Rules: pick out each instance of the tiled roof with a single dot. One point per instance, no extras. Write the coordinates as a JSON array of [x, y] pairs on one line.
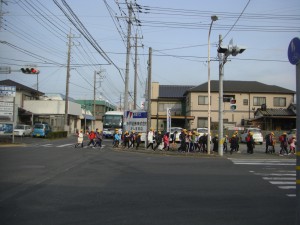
[[19, 86], [173, 91], [242, 87], [275, 112]]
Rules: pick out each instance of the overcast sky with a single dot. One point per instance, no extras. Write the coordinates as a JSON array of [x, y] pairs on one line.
[[34, 32]]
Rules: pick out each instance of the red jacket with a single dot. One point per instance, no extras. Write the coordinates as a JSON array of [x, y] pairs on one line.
[[92, 135]]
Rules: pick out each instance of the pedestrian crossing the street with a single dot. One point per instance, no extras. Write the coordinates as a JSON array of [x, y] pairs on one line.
[[276, 172]]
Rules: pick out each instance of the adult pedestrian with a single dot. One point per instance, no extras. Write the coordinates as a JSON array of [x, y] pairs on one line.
[[270, 142], [79, 139], [150, 138]]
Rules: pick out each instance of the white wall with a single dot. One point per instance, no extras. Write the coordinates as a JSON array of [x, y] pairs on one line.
[[51, 107]]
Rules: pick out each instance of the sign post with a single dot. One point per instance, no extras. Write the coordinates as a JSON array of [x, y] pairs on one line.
[[168, 120], [7, 110], [294, 58]]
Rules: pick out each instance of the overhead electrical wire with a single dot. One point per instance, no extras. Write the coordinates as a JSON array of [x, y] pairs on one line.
[[79, 26]]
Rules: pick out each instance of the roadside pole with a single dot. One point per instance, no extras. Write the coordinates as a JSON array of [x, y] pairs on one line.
[[297, 146], [294, 58]]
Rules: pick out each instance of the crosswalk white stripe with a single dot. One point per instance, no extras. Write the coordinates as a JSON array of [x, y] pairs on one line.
[[47, 145], [291, 195], [283, 179], [282, 182], [278, 178], [264, 163], [287, 187], [60, 146], [276, 174]]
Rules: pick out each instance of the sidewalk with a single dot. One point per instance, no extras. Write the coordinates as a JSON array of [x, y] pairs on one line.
[[259, 153]]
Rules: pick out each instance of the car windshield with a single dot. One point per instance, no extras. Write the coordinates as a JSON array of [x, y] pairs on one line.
[[202, 130], [39, 126], [19, 127], [178, 129], [255, 131]]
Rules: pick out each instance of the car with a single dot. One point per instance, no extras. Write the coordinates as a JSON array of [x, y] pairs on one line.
[[291, 133], [107, 133], [257, 135], [202, 131], [172, 131], [41, 130], [22, 130]]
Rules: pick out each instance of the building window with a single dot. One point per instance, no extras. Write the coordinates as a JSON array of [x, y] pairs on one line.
[[175, 107], [258, 101], [203, 100], [202, 122], [245, 101], [279, 102]]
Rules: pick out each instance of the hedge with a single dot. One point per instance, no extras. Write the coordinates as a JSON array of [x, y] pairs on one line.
[[57, 134]]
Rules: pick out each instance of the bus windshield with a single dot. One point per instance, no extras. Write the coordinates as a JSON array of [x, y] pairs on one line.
[[112, 121]]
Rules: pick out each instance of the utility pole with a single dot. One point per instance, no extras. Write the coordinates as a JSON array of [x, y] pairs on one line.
[[67, 81], [135, 73], [94, 103], [70, 36], [94, 106], [149, 91], [127, 57], [221, 75], [1, 13]]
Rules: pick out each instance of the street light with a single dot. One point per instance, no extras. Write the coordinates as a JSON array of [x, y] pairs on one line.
[[213, 18], [226, 51]]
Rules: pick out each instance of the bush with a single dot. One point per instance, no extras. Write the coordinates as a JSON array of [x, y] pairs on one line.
[[57, 134]]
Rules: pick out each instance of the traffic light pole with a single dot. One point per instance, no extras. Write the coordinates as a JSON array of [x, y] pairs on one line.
[[222, 61]]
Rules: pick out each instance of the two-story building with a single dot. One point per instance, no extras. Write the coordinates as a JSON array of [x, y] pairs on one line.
[[189, 105]]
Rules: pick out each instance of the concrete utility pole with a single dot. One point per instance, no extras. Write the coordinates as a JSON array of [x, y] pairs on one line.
[[70, 36], [127, 57], [94, 103], [67, 81], [1, 13], [221, 75], [149, 91], [135, 73], [213, 18]]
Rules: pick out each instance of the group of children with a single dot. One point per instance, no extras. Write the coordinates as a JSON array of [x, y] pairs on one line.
[[189, 141], [95, 138]]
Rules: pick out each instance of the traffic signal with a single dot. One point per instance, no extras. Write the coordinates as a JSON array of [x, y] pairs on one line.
[[232, 104], [30, 70]]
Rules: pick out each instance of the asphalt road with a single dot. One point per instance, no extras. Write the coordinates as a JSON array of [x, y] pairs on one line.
[[51, 182]]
